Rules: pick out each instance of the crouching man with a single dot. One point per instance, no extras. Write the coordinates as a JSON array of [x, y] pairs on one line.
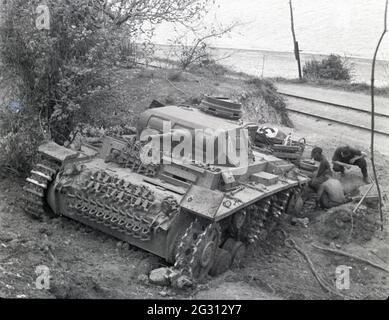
[[346, 156]]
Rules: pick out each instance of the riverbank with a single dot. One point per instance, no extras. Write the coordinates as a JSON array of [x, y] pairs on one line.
[[274, 64]]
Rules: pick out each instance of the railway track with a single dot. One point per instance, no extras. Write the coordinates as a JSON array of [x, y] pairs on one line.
[[326, 108]]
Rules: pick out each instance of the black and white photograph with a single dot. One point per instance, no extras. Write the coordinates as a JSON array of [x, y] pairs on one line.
[[202, 151]]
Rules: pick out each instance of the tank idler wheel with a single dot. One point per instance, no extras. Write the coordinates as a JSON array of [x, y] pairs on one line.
[[223, 260], [237, 249]]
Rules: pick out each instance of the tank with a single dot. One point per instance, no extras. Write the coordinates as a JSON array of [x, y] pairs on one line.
[[198, 212]]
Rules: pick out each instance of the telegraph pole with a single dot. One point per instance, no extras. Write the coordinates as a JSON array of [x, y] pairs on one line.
[[295, 42]]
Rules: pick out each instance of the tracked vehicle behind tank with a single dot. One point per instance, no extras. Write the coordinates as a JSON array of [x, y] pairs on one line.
[[198, 215]]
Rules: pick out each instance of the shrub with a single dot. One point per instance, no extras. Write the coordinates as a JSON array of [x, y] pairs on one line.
[[58, 74], [332, 68], [20, 135]]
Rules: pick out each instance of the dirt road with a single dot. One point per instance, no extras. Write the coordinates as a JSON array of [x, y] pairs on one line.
[[358, 100]]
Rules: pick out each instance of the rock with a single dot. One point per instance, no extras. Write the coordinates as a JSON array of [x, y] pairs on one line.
[[332, 234], [30, 244], [160, 276], [8, 236], [44, 230], [143, 278], [301, 222], [163, 294], [55, 221], [14, 243], [183, 282]]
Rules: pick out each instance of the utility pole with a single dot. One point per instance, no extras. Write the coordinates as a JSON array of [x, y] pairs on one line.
[[295, 42], [372, 88]]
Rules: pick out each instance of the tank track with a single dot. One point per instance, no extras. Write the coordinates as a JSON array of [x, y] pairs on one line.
[[265, 216], [261, 219], [36, 186], [191, 248]]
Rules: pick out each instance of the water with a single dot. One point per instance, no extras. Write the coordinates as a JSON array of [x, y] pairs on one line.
[[349, 28], [283, 64]]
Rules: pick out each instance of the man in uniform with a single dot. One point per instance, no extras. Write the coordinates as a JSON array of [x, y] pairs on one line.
[[346, 156]]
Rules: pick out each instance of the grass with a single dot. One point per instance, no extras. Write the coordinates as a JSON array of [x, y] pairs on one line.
[[358, 87]]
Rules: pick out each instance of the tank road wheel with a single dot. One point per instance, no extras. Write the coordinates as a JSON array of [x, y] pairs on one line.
[[223, 261], [237, 249], [204, 251], [36, 187]]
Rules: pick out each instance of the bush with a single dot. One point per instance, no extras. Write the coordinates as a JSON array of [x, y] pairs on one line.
[[58, 74], [331, 68], [209, 68], [19, 137]]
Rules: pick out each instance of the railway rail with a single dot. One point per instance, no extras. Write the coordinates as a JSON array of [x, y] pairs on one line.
[[326, 117]]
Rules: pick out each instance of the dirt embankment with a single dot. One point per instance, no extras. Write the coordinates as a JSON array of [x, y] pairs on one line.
[[134, 90]]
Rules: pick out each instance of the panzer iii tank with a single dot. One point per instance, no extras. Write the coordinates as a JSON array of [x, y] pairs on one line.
[[197, 212]]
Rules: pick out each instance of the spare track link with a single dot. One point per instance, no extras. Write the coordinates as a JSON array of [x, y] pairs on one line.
[[37, 184]]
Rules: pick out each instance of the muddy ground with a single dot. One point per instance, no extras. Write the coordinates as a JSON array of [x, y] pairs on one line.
[[84, 263]]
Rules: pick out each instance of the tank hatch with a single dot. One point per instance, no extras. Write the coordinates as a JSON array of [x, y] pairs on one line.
[[222, 107]]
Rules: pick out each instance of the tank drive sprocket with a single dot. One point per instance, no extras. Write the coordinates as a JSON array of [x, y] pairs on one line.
[[196, 250]]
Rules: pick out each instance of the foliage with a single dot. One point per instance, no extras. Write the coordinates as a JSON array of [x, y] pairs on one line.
[[62, 75], [334, 67], [140, 14], [58, 71], [193, 48]]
